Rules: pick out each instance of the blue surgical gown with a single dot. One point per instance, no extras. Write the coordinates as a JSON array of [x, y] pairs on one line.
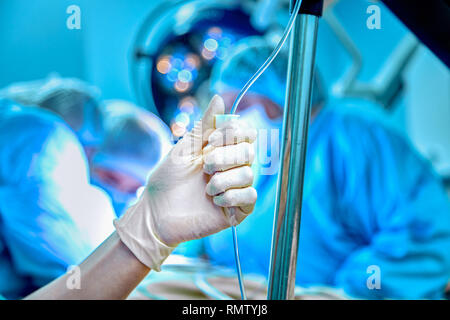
[[50, 216], [369, 200]]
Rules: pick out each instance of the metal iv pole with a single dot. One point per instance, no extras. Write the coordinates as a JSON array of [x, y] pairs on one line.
[[283, 261]]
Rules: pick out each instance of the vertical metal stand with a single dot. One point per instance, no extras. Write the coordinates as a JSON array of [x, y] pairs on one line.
[[293, 153]]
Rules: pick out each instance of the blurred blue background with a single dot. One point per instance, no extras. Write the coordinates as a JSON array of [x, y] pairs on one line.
[[35, 42], [162, 55]]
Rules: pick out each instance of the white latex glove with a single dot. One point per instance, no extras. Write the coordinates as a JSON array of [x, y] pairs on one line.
[[182, 201]]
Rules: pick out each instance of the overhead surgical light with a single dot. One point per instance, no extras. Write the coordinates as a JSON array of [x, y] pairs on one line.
[[175, 50]]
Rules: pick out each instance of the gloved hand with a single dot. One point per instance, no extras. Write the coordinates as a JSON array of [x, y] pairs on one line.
[[181, 201]]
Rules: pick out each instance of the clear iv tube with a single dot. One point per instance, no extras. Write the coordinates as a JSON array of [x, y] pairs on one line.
[[270, 59], [238, 264], [239, 97]]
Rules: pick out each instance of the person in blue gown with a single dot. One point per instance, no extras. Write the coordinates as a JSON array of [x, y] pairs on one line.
[[47, 204], [375, 217]]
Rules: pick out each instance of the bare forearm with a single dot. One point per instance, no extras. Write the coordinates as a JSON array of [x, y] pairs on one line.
[[110, 272]]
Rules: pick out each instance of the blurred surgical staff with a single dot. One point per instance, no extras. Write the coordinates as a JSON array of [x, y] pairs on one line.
[[135, 141], [50, 215], [75, 101], [371, 203]]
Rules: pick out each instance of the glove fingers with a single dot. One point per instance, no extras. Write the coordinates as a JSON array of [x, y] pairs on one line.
[[237, 203], [236, 215], [215, 107], [233, 132], [246, 210], [235, 178], [192, 143], [227, 157], [244, 197]]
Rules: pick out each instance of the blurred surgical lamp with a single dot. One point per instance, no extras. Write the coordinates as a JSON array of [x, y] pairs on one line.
[[175, 50]]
